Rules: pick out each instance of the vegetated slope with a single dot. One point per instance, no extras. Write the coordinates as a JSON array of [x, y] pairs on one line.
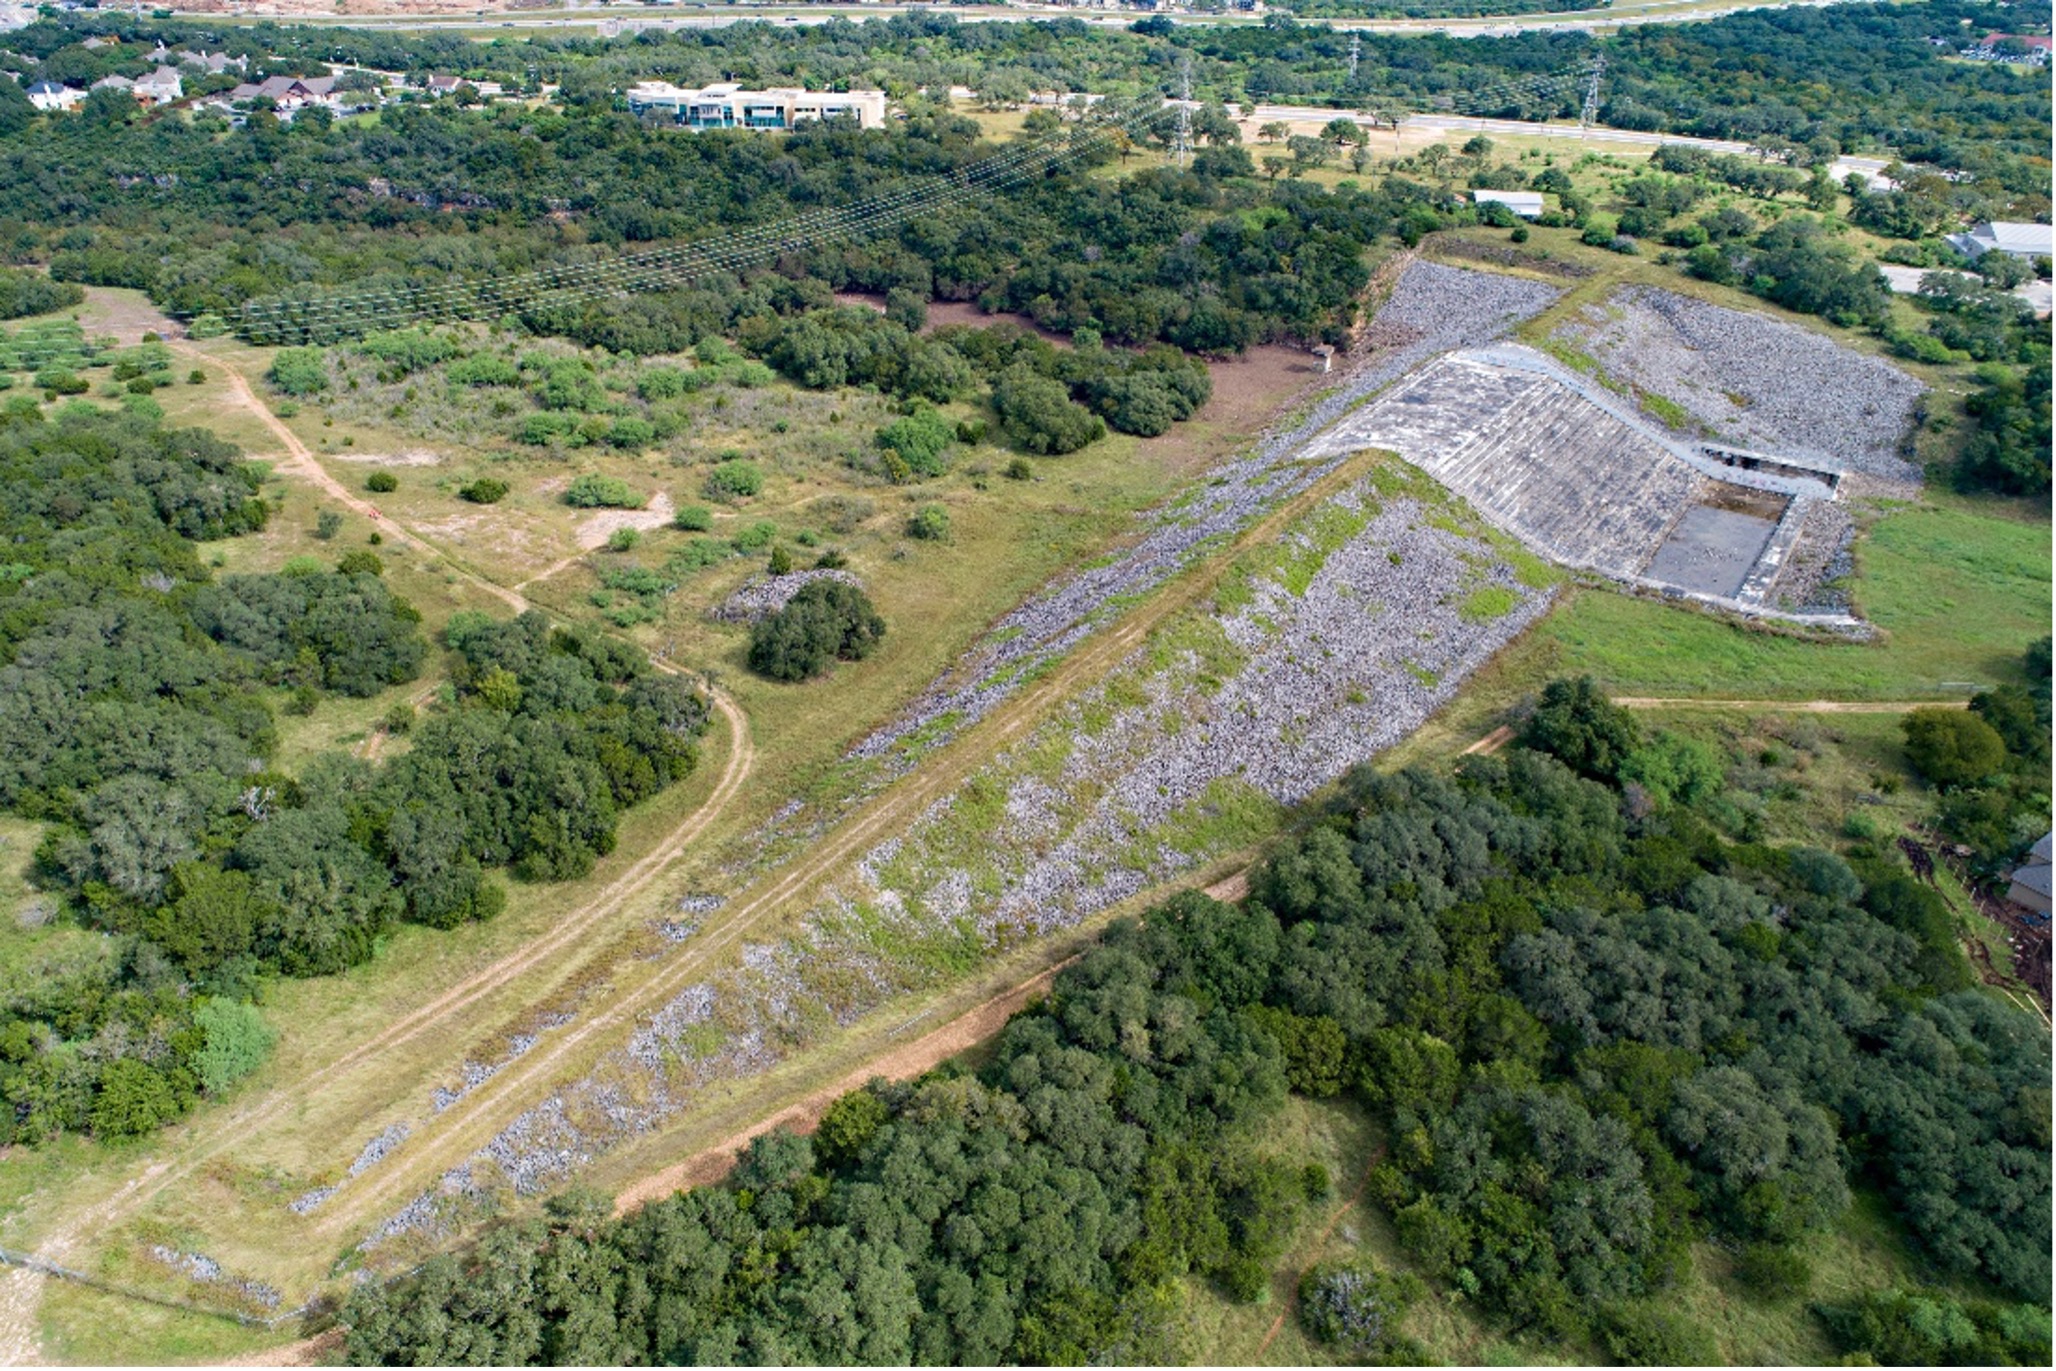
[[1596, 1032], [138, 723]]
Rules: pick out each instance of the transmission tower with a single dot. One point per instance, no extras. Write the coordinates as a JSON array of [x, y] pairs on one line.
[[1589, 115], [1356, 47], [1184, 109]]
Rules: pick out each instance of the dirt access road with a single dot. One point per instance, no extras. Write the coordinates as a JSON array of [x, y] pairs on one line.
[[454, 1135], [20, 1290]]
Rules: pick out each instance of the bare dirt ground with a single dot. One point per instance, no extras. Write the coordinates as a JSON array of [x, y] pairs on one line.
[[901, 1064], [595, 529], [408, 457], [1491, 742], [124, 316]]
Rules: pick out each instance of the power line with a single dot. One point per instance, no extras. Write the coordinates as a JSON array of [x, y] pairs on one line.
[[287, 320]]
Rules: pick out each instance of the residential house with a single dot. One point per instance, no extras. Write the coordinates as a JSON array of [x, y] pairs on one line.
[[120, 83], [288, 92], [2030, 886], [1527, 204], [160, 87], [213, 63], [439, 85], [48, 96], [2015, 240], [729, 106]]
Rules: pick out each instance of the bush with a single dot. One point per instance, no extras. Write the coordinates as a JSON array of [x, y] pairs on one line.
[[360, 562], [930, 523], [235, 1042], [1355, 1307], [920, 439], [381, 483], [594, 491], [735, 479], [327, 524], [299, 371], [624, 540], [693, 519], [824, 621], [486, 490], [632, 433], [483, 369], [1952, 747], [23, 293], [1020, 469]]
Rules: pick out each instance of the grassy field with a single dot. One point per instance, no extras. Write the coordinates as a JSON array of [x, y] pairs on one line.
[[1957, 595]]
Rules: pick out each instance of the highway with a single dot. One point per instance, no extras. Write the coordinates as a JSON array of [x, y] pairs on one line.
[[622, 19]]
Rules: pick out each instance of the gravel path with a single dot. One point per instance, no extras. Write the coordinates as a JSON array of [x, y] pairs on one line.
[[1757, 381]]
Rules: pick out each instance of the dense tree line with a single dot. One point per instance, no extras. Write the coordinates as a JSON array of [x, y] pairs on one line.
[[138, 726], [1596, 1032], [24, 293]]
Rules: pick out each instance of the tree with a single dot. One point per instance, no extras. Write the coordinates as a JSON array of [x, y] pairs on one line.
[[1040, 415], [1575, 723], [133, 1099], [1952, 747], [824, 621], [1274, 131], [930, 523]]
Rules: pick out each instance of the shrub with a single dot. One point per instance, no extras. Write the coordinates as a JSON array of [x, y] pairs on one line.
[[1583, 729], [1020, 469], [1952, 747], [693, 519], [235, 1041], [930, 523], [1355, 1307], [407, 350], [624, 540], [360, 562], [483, 369], [920, 439], [381, 482], [594, 491], [824, 621], [327, 524], [781, 560], [632, 433], [751, 537], [662, 383], [62, 383], [486, 490], [735, 479], [299, 371]]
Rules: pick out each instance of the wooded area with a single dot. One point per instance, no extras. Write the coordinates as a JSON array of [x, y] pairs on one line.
[[139, 725], [1595, 1033]]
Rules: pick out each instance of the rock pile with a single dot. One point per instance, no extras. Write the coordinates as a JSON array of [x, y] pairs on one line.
[[764, 595], [1432, 309], [1756, 381]]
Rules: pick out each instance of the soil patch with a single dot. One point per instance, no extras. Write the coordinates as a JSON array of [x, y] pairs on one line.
[[412, 457], [901, 1064], [595, 529]]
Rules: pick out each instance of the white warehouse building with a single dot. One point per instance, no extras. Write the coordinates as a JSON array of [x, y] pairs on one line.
[[729, 106]]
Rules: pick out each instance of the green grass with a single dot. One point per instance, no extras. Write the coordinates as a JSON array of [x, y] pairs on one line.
[[1486, 603], [1666, 411], [1957, 592]]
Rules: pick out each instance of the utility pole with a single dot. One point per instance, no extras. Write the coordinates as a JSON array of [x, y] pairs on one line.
[[1589, 116], [1356, 47], [1184, 109]]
